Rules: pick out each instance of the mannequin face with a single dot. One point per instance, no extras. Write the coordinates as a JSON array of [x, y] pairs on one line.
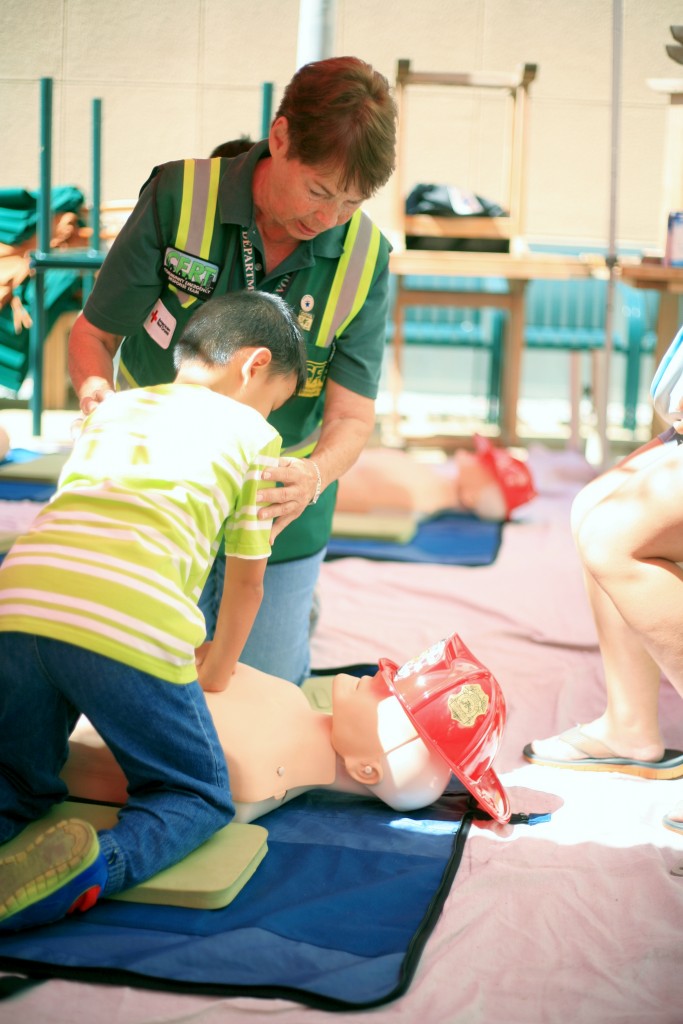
[[380, 746], [368, 720], [478, 489]]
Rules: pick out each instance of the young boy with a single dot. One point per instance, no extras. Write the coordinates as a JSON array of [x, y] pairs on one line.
[[98, 609]]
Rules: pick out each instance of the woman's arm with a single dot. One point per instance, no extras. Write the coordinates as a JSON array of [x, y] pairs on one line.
[[91, 362]]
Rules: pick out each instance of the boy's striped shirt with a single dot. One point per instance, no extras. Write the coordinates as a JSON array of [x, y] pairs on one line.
[[117, 560]]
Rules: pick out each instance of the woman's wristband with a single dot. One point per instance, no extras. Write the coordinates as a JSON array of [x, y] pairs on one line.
[[318, 483]]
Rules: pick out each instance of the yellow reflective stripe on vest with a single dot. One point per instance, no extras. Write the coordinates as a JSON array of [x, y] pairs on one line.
[[124, 379], [197, 211], [352, 280], [185, 204], [304, 447]]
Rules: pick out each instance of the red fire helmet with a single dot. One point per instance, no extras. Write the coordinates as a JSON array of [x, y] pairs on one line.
[[458, 709], [512, 475]]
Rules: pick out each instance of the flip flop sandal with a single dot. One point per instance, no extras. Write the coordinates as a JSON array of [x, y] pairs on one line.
[[672, 824], [599, 758]]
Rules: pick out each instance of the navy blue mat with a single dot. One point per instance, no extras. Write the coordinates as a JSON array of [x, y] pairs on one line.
[[336, 915], [450, 538], [26, 490], [14, 489]]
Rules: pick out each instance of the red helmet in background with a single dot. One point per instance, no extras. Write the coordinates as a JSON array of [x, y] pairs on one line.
[[512, 475], [458, 709]]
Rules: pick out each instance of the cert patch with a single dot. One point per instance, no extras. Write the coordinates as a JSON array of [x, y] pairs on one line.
[[160, 325], [189, 273]]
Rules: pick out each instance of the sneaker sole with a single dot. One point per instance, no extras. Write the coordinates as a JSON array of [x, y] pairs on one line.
[[51, 862]]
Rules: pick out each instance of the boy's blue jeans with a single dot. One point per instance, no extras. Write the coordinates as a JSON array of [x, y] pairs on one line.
[[279, 642], [161, 733]]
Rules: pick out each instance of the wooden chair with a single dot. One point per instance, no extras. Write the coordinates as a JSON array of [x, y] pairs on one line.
[[464, 290], [515, 89]]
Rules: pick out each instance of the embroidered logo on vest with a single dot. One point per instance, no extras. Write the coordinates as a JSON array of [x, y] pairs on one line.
[[317, 372], [189, 273]]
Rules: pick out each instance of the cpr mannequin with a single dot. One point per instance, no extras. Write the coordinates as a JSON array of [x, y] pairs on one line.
[[396, 736], [277, 746], [488, 482]]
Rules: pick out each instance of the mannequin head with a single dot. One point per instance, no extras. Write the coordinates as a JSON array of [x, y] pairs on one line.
[[492, 482], [478, 489], [380, 748]]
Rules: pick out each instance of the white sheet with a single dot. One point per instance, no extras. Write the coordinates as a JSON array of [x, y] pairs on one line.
[[578, 920]]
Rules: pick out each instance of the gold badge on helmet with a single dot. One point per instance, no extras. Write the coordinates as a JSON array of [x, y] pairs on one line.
[[468, 704]]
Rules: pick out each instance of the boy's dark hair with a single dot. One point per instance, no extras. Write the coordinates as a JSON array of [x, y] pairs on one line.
[[233, 147], [341, 115], [244, 319]]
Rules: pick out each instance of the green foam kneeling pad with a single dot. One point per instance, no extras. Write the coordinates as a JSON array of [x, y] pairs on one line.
[[42, 469], [399, 527], [208, 878]]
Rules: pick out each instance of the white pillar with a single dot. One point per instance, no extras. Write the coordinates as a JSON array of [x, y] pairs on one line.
[[316, 31]]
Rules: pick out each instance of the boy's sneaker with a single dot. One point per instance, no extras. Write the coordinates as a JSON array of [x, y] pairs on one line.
[[59, 872]]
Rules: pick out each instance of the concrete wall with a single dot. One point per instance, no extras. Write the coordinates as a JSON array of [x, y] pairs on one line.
[[175, 79]]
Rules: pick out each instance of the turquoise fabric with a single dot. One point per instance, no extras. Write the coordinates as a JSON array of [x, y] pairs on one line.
[[62, 293], [18, 223], [19, 210]]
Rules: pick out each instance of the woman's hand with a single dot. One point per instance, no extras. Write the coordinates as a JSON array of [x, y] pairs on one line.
[[298, 479], [94, 392]]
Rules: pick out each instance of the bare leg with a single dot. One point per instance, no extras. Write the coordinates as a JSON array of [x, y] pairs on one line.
[[631, 544], [629, 725], [627, 526]]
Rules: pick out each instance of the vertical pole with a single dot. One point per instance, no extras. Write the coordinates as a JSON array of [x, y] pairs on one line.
[[44, 194], [266, 108], [603, 393], [37, 332], [96, 172], [89, 277]]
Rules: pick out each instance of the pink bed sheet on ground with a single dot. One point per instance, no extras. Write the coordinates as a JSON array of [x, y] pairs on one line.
[[576, 920]]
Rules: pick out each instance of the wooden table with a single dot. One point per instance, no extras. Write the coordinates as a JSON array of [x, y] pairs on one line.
[[668, 281], [517, 270]]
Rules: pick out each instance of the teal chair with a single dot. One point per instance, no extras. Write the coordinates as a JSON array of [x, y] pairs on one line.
[[452, 326], [640, 308], [570, 316]]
